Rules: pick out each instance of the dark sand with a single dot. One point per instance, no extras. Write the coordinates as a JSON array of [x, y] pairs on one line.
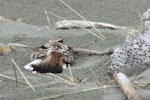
[[118, 12]]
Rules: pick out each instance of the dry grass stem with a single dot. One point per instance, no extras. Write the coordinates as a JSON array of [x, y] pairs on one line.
[[8, 77], [74, 92], [102, 36], [62, 79], [22, 74], [84, 90], [96, 71], [56, 15], [15, 74], [94, 75], [47, 18], [72, 79]]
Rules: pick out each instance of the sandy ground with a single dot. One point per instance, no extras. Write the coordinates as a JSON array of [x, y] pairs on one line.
[[118, 12]]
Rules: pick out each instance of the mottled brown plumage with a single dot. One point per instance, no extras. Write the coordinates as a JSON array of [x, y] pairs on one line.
[[50, 63]]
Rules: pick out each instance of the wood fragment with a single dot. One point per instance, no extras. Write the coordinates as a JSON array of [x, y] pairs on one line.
[[101, 53], [79, 24], [126, 86]]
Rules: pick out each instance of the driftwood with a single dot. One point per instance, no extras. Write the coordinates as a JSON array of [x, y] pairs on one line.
[[101, 53], [126, 86], [79, 24]]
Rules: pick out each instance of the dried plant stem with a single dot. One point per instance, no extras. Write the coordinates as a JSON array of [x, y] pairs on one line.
[[84, 90], [72, 78], [22, 74], [8, 77], [126, 86], [106, 52], [56, 15], [102, 36], [94, 75], [74, 92], [60, 78], [96, 71], [15, 74], [47, 18]]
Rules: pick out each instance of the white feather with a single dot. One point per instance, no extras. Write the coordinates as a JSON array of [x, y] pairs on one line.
[[29, 66], [64, 66]]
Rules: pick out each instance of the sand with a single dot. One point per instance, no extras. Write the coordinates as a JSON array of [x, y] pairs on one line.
[[33, 31]]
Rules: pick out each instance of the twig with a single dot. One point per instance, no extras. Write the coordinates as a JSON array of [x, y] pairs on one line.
[[106, 52], [126, 86], [79, 24], [8, 77], [22, 74]]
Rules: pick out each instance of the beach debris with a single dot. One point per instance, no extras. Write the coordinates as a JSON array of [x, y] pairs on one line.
[[101, 53], [80, 24], [4, 49], [126, 86], [99, 35], [134, 53], [15, 64], [3, 19], [11, 78]]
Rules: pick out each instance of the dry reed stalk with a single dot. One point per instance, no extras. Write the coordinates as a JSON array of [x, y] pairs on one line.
[[23, 74], [8, 77], [126, 86]]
